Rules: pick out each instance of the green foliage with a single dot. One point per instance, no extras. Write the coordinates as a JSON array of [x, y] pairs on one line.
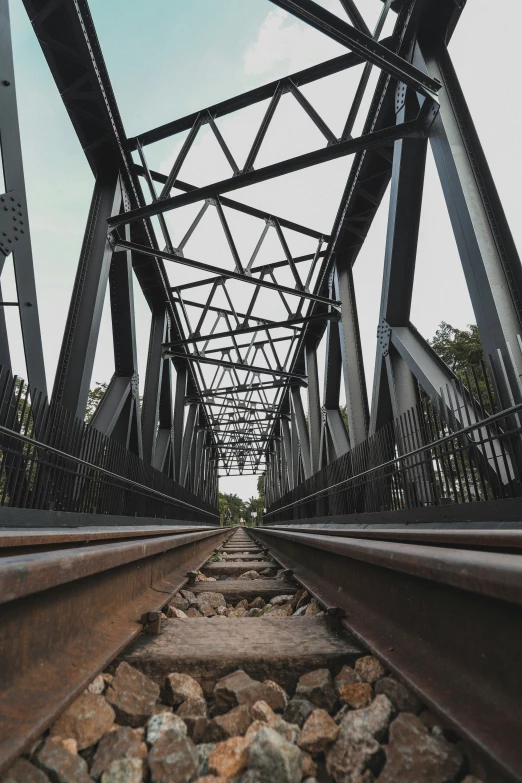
[[459, 348], [94, 398], [232, 508], [462, 350]]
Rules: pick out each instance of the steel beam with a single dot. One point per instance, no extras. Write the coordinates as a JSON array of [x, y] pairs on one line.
[[261, 327], [153, 381], [352, 362], [314, 407], [236, 365], [409, 160], [122, 243], [489, 258], [361, 43], [76, 361], [15, 236], [302, 430], [339, 150]]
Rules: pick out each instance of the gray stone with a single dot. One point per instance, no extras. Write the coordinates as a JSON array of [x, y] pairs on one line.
[[347, 676], [180, 687], [369, 669], [189, 596], [289, 731], [300, 612], [413, 755], [250, 776], [194, 713], [173, 759], [180, 603], [248, 575], [238, 688], [86, 720], [124, 771], [204, 749], [211, 599], [97, 686], [22, 771], [279, 600], [317, 687], [165, 721], [132, 695], [61, 765], [298, 710], [177, 614], [275, 759], [318, 732], [356, 746], [400, 696], [232, 724], [118, 744]]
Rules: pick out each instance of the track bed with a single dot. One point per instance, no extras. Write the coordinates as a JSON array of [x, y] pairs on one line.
[[246, 677]]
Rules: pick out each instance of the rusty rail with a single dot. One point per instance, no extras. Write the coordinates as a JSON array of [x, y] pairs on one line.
[[69, 602], [443, 609]]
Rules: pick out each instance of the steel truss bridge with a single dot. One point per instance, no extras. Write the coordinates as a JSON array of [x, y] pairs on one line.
[[225, 382]]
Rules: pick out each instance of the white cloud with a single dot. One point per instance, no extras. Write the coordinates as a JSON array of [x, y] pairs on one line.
[[284, 40]]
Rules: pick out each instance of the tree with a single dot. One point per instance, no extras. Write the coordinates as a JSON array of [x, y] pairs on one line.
[[459, 348], [94, 398], [261, 485]]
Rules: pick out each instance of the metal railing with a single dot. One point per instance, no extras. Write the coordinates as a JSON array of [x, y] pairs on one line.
[[458, 448], [50, 459]]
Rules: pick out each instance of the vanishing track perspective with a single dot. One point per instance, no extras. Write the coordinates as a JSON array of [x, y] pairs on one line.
[[269, 657]]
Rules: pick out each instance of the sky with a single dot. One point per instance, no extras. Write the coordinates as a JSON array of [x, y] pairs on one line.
[[167, 58]]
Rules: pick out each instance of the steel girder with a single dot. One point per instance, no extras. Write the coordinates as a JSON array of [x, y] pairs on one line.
[[15, 237], [257, 360]]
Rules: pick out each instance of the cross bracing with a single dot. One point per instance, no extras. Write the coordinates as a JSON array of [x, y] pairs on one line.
[[233, 347]]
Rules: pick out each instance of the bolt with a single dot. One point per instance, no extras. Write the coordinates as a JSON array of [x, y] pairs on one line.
[[5, 83]]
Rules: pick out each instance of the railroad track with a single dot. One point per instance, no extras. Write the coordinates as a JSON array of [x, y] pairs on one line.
[[439, 611]]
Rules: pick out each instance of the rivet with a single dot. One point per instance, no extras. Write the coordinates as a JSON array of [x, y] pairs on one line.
[[5, 83]]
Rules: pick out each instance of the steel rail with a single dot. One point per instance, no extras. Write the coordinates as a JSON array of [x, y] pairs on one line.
[[446, 620], [84, 463], [67, 613], [434, 444]]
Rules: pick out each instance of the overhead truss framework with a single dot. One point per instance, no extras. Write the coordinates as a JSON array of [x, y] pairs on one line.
[[226, 375]]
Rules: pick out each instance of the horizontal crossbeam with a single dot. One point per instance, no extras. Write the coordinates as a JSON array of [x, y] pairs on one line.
[[289, 324], [156, 176], [362, 44], [122, 243], [306, 76], [234, 365], [323, 155]]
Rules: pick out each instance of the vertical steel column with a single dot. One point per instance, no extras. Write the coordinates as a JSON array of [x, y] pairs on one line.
[[314, 407], [287, 445], [153, 380], [302, 432], [179, 416], [198, 463], [409, 161], [74, 371], [489, 257], [124, 336], [352, 363], [15, 236], [188, 435], [334, 436]]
